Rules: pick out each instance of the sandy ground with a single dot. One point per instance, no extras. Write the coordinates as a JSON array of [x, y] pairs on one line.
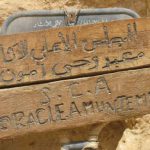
[[136, 136]]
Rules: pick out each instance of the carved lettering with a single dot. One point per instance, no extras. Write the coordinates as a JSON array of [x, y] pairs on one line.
[[45, 115], [141, 99], [7, 75], [88, 106], [18, 117], [65, 41], [102, 86], [31, 119], [75, 91], [56, 47], [59, 112], [74, 109], [4, 123], [39, 111], [45, 91]]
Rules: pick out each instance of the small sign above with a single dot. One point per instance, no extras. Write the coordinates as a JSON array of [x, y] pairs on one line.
[[29, 21]]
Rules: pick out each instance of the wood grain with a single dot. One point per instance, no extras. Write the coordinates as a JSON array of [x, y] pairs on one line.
[[71, 52], [74, 103], [73, 77]]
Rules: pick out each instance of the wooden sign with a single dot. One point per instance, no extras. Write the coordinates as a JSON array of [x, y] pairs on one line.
[[74, 103], [74, 76], [28, 21], [71, 52]]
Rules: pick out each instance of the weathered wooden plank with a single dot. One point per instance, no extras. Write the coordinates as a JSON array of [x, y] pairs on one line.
[[74, 102], [74, 51]]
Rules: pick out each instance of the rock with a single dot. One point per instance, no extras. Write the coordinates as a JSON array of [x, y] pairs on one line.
[[137, 138]]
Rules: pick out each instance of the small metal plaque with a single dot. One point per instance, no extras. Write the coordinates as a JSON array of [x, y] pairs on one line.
[[37, 20], [74, 146]]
